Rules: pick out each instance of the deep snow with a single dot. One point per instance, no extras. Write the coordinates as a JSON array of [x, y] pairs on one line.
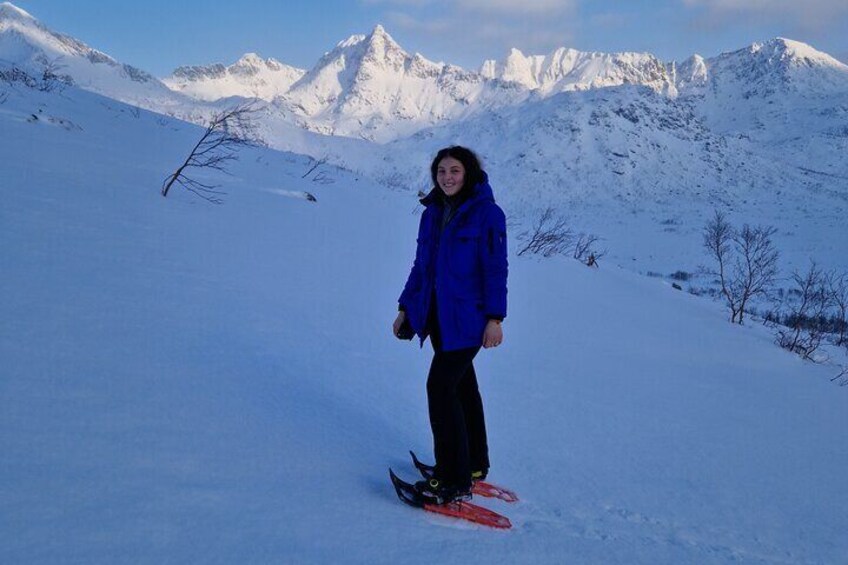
[[192, 383]]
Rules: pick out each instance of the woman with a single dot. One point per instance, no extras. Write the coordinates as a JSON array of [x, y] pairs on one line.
[[456, 295]]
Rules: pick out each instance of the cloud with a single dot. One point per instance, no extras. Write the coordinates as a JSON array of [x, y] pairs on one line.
[[810, 16], [535, 7], [483, 7], [481, 29]]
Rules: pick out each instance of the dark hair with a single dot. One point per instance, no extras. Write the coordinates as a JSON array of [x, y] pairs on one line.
[[470, 162]]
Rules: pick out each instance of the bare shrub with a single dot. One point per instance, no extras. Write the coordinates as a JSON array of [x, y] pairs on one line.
[[746, 261], [550, 235], [51, 79], [807, 320], [228, 132], [585, 249]]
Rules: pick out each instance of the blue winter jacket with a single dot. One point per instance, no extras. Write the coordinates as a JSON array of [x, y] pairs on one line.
[[466, 262]]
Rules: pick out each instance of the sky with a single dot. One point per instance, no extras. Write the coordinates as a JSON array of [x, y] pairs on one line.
[[160, 35]]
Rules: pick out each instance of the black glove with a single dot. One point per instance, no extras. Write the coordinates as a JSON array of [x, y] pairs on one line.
[[405, 331]]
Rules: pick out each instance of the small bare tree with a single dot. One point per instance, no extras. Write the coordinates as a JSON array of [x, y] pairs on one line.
[[228, 132], [550, 235], [756, 266], [718, 235], [806, 322], [51, 78], [584, 249], [746, 261]]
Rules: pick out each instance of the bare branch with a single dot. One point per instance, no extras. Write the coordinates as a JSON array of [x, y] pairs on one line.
[[315, 165], [746, 261], [807, 320], [718, 233], [584, 249], [226, 134], [550, 235]]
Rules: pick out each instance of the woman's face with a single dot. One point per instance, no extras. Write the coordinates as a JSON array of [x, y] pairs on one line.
[[450, 175]]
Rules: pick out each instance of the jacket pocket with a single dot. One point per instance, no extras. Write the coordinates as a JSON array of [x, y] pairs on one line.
[[464, 248], [470, 319]]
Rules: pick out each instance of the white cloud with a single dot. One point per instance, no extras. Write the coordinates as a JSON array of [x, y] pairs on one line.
[[809, 15], [478, 29], [486, 8], [415, 3], [488, 37], [537, 7]]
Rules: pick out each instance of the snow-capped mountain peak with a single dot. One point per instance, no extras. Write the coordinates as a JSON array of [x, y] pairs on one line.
[[28, 44], [383, 51], [251, 60], [568, 69], [794, 52], [376, 48], [10, 12], [369, 86], [775, 67], [691, 72], [250, 76], [24, 41]]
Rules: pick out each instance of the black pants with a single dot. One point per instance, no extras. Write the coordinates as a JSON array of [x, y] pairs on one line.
[[456, 411]]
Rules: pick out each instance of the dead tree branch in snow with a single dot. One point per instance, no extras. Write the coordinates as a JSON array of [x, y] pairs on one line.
[[315, 165], [228, 132], [549, 236], [584, 249]]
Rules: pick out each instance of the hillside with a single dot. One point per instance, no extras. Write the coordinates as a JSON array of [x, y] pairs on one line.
[[218, 384], [631, 148]]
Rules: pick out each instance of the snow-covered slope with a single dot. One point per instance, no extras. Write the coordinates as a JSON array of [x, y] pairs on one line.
[[30, 45], [185, 382], [249, 77]]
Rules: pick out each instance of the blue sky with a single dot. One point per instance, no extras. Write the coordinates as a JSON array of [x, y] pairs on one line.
[[158, 35]]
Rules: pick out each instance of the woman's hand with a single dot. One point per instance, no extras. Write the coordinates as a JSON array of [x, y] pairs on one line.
[[493, 334], [401, 318]]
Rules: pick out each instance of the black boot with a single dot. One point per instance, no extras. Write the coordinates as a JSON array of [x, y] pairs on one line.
[[436, 491]]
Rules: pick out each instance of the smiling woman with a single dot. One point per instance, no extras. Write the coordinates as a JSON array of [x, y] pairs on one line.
[[456, 295]]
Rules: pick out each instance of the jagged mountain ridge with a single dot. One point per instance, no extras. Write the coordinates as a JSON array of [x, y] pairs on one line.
[[250, 76], [368, 86], [773, 91], [569, 69], [774, 67]]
